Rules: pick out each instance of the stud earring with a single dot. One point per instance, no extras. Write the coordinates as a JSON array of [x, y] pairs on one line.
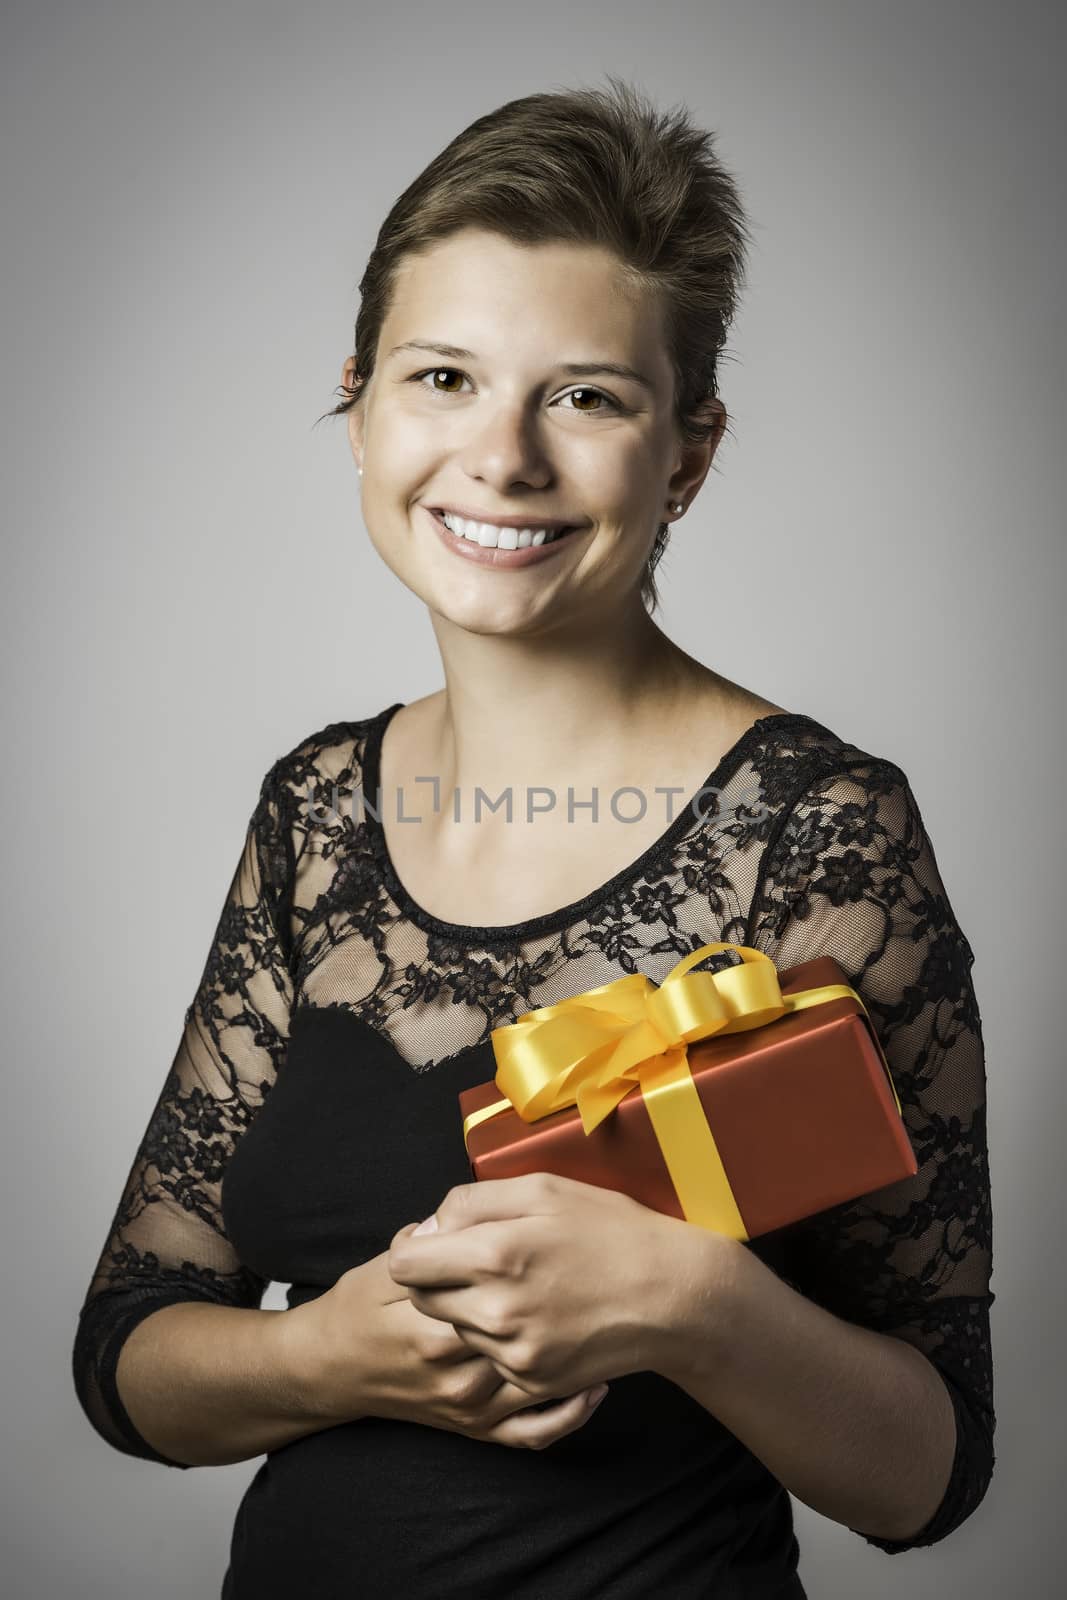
[[360, 471], [678, 508]]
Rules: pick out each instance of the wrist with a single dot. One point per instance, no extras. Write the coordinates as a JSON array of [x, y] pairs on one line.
[[298, 1361], [700, 1272]]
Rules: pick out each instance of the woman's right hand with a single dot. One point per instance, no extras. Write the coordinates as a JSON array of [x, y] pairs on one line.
[[365, 1350]]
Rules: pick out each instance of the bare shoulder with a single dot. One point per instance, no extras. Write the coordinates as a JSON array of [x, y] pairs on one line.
[[410, 725], [753, 707], [733, 707]]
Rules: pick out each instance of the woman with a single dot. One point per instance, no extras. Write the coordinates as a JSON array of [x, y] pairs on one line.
[[532, 404]]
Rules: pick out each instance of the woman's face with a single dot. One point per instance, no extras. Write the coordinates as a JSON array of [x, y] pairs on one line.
[[515, 421]]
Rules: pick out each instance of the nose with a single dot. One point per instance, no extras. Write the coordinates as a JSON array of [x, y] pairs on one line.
[[506, 449]]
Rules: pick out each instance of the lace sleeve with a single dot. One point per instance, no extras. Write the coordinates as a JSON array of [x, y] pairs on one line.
[[853, 875], [166, 1242]]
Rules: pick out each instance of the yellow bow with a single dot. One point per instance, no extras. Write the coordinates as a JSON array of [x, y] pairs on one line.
[[595, 1048]]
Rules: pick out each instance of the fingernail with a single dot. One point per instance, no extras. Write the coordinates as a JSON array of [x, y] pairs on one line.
[[428, 1226], [595, 1396]]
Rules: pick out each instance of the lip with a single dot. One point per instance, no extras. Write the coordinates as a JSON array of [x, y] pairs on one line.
[[488, 556]]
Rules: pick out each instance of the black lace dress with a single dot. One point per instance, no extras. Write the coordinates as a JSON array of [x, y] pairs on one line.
[[311, 1111]]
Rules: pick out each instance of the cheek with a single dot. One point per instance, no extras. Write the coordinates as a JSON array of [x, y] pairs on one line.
[[388, 546], [385, 528], [405, 435]]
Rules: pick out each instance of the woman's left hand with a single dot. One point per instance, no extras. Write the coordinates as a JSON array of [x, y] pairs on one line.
[[560, 1284]]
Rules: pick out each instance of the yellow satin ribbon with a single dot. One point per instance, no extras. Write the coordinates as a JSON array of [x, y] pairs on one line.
[[595, 1048]]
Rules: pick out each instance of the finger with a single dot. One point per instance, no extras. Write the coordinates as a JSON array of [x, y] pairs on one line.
[[440, 1342], [398, 1239], [496, 1200], [495, 1348], [536, 1429], [457, 1308], [448, 1260], [475, 1342], [403, 1233], [494, 1354]]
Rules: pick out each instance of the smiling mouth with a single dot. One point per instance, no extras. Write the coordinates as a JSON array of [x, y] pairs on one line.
[[514, 538]]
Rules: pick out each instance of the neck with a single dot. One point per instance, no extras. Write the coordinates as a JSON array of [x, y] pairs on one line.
[[559, 711]]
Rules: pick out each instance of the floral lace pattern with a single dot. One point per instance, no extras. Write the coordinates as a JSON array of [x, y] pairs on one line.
[[808, 846]]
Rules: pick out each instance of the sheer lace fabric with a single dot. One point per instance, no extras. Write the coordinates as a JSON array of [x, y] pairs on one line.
[[801, 845]]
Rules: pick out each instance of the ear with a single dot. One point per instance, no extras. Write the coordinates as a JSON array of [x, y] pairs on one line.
[[355, 414], [694, 460]]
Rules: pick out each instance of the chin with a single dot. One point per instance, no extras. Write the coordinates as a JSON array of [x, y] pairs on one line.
[[482, 618]]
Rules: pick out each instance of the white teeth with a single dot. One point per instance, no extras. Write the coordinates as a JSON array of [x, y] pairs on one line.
[[490, 536]]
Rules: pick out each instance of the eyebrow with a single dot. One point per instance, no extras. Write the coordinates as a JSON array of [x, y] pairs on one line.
[[608, 369]]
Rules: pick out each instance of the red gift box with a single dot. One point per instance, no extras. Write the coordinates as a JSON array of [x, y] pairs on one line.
[[791, 1114]]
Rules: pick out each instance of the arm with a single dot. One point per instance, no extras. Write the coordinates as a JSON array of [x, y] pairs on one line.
[[862, 1376], [855, 1423], [209, 1385], [167, 1245]]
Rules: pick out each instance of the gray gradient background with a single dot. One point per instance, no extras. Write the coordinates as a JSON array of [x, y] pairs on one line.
[[190, 193]]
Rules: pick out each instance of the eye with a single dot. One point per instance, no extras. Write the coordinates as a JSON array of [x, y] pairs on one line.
[[435, 372], [589, 394], [592, 394]]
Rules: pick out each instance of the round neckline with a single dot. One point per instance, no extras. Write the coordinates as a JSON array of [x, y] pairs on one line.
[[549, 921]]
